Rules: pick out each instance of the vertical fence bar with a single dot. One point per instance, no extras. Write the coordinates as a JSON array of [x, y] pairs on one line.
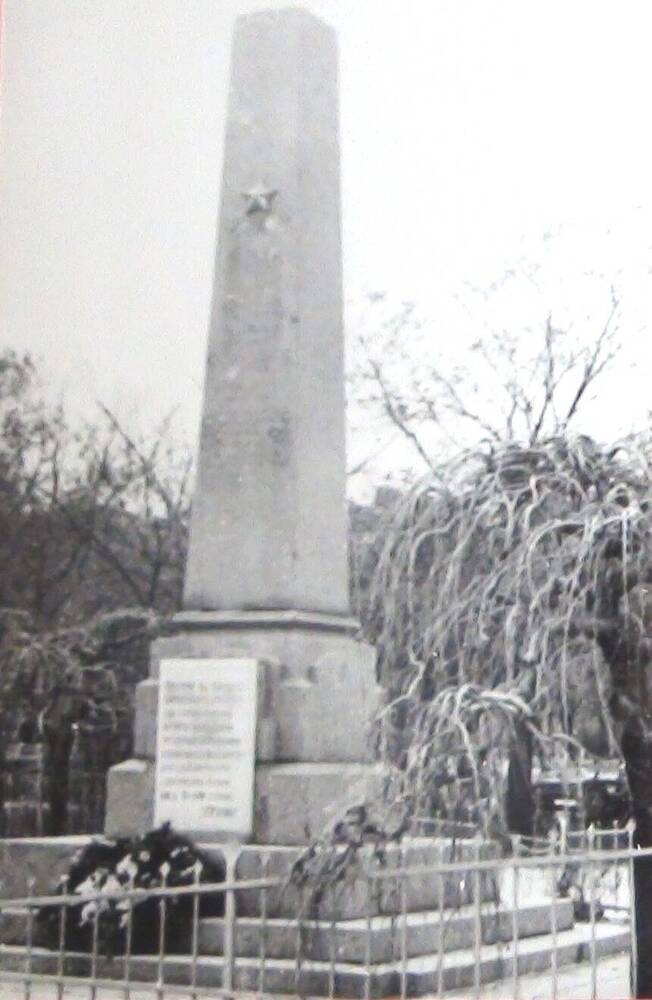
[[554, 958], [230, 861], [367, 935], [332, 954], [615, 844], [262, 942], [516, 847], [591, 873], [477, 917], [631, 885], [298, 954], [129, 921], [196, 878], [162, 919], [441, 885], [30, 940], [63, 913], [404, 927], [95, 947]]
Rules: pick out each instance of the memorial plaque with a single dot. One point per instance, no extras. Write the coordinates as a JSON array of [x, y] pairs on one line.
[[206, 745]]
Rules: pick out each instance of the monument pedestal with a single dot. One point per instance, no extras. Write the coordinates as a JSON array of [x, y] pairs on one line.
[[317, 692]]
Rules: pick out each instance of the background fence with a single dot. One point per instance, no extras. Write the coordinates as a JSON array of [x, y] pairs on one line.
[[66, 715]]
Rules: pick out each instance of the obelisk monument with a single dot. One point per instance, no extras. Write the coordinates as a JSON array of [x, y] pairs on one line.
[[268, 522], [264, 641]]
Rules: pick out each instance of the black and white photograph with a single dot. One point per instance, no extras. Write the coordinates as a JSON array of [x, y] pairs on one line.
[[325, 499]]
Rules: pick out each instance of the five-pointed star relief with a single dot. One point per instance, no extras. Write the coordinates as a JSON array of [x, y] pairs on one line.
[[259, 199]]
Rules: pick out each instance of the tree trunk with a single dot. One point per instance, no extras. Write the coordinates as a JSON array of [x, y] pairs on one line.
[[520, 795], [638, 761], [627, 650]]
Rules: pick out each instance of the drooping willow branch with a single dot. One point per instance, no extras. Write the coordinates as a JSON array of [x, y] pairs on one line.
[[489, 609]]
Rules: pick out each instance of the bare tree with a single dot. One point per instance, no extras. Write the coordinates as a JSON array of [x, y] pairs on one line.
[[134, 510], [92, 518], [503, 391]]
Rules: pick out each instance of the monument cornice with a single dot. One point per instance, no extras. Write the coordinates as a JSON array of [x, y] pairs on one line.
[[269, 619]]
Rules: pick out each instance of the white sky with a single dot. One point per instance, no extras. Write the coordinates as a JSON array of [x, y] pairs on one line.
[[478, 137]]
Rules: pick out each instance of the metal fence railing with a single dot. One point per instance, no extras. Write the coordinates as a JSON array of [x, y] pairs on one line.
[[455, 921]]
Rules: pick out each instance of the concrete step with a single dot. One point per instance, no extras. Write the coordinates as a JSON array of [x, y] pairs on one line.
[[349, 980], [533, 955], [382, 938], [379, 939]]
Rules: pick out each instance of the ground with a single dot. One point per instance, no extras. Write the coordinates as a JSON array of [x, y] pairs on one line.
[[574, 983]]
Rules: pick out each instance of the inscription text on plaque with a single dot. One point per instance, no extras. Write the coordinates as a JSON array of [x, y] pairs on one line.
[[206, 745]]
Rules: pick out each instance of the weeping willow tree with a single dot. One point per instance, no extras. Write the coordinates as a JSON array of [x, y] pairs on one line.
[[511, 607], [512, 616], [512, 601]]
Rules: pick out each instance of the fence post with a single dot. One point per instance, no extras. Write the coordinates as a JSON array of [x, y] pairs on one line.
[[95, 943], [403, 887], [30, 940], [196, 878], [516, 847], [554, 849], [476, 882], [332, 956], [631, 826], [262, 943], [231, 852], [129, 919], [162, 915], [441, 884], [63, 921], [592, 874]]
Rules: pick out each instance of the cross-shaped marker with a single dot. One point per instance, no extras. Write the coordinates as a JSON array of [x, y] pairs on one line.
[[259, 199]]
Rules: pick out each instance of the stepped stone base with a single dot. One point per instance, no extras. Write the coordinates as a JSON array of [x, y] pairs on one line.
[[381, 939], [423, 973], [378, 940], [358, 944]]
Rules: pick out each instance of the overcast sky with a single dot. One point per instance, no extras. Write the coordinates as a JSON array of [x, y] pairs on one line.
[[478, 137]]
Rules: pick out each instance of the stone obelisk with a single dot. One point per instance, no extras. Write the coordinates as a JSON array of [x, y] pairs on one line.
[[267, 577], [268, 523]]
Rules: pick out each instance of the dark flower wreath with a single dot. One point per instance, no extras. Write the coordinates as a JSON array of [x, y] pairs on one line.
[[115, 866]]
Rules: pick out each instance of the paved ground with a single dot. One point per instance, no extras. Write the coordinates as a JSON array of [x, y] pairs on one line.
[[574, 983]]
